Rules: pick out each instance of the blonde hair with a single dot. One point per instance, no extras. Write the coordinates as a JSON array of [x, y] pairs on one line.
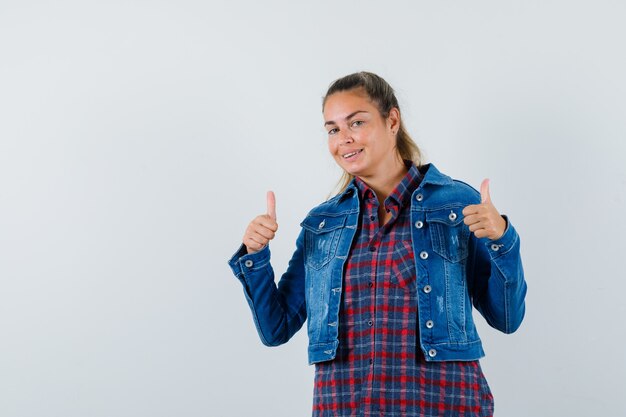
[[381, 94]]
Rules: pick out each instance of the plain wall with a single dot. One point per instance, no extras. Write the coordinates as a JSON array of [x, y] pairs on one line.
[[138, 139]]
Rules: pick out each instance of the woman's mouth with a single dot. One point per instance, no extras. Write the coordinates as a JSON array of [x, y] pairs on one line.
[[351, 155]]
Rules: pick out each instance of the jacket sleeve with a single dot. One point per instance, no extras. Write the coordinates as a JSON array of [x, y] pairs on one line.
[[498, 285], [278, 310]]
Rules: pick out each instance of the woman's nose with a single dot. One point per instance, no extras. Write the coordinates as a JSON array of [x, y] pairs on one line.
[[346, 137]]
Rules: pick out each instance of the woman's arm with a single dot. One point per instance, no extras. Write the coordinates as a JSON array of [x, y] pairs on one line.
[[497, 280], [278, 311], [495, 273]]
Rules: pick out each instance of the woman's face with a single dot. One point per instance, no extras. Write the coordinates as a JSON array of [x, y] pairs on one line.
[[359, 138]]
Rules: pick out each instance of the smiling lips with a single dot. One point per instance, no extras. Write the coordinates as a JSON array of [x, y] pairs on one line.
[[351, 154]]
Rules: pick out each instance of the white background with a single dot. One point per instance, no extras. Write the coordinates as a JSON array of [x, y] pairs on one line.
[[138, 138]]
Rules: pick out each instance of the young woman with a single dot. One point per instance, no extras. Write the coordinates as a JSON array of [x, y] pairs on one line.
[[387, 271]]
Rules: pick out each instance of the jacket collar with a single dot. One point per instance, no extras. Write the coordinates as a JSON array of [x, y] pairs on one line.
[[430, 175], [350, 190]]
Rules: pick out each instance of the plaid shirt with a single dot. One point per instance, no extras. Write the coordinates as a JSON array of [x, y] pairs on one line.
[[379, 369]]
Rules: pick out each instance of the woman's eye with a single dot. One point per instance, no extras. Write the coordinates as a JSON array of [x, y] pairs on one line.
[[333, 131], [357, 123]]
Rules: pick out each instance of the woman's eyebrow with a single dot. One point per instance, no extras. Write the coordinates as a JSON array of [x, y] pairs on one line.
[[331, 122]]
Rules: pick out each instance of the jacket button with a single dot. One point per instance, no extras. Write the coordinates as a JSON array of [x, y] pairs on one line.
[[322, 224], [495, 247], [419, 224], [424, 255], [419, 197], [248, 263], [452, 216], [430, 324], [432, 353], [427, 289]]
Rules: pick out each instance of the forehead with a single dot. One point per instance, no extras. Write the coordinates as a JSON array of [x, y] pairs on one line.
[[343, 103]]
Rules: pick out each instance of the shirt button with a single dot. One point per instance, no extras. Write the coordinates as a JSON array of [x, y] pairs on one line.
[[370, 284], [452, 216], [372, 248], [495, 247], [427, 289], [419, 224], [424, 255], [430, 324], [372, 218], [419, 197], [248, 263], [370, 323], [371, 361], [432, 353]]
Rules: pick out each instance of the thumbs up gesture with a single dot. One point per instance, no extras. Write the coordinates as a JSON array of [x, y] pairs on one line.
[[483, 219], [262, 228]]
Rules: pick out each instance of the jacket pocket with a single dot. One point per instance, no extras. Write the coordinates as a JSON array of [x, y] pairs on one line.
[[449, 235], [321, 238]]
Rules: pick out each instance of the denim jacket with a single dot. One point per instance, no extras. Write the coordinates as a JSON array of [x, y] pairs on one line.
[[454, 271]]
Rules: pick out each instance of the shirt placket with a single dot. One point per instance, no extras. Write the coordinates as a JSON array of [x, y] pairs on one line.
[[377, 237], [370, 226]]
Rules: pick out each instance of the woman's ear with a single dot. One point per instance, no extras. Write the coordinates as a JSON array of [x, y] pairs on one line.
[[393, 120]]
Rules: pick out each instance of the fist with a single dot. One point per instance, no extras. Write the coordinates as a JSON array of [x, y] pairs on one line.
[[483, 219], [262, 228]]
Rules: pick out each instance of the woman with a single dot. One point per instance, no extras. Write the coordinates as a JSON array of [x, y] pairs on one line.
[[387, 271]]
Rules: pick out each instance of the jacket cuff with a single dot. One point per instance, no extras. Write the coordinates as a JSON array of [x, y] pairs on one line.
[[243, 262], [505, 243]]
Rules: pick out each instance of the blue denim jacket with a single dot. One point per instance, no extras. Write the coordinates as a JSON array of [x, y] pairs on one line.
[[454, 270]]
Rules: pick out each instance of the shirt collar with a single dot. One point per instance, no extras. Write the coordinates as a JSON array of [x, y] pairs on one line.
[[428, 174], [401, 194]]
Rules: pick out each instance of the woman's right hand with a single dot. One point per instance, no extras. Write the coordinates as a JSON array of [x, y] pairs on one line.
[[262, 228]]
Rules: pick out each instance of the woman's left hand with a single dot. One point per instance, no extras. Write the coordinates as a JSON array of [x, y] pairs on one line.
[[483, 219]]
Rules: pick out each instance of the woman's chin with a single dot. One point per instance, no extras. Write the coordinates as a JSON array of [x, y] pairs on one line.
[[353, 172], [352, 169]]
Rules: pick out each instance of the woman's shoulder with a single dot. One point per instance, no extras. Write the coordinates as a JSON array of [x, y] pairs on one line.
[[451, 188], [465, 188], [340, 204]]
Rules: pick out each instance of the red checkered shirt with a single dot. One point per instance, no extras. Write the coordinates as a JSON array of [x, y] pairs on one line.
[[379, 369]]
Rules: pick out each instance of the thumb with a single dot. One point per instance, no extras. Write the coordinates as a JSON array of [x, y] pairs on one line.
[[484, 191], [271, 204]]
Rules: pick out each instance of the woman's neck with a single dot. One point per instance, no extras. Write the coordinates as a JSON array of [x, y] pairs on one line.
[[387, 180]]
